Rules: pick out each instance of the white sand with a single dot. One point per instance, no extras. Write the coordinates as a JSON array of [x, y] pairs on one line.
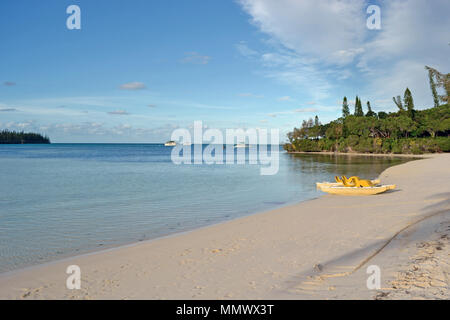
[[316, 249]]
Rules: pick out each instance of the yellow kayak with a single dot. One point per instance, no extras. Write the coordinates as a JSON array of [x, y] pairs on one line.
[[319, 185], [356, 191]]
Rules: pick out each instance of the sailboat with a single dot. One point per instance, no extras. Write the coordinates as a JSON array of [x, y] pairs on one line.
[[240, 145], [170, 144]]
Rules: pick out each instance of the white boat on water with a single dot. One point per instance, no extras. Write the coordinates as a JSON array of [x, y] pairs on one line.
[[240, 145], [170, 144]]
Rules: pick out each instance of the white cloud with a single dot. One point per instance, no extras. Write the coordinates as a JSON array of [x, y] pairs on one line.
[[195, 58], [319, 46], [243, 49], [93, 131], [414, 34], [61, 102], [285, 98], [345, 56], [393, 82], [250, 95], [133, 86], [305, 26], [199, 105], [307, 79], [411, 29], [119, 112], [18, 125], [23, 125], [306, 110], [291, 112], [38, 110]]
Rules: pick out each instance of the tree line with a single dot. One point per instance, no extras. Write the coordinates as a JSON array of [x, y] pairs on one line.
[[406, 130], [15, 137]]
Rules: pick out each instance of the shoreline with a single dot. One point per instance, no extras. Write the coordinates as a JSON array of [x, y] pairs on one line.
[[139, 242], [392, 155], [247, 241], [31, 268], [68, 256]]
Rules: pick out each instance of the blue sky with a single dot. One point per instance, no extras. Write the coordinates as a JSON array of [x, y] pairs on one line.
[[139, 69]]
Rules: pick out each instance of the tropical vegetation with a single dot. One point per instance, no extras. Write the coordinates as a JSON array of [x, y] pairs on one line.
[[406, 130], [14, 137]]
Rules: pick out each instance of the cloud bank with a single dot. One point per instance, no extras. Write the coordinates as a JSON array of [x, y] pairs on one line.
[[323, 46]]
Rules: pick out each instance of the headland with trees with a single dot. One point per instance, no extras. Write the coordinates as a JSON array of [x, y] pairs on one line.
[[405, 131], [15, 137]]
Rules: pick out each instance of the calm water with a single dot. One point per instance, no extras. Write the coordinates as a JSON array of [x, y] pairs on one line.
[[66, 199]]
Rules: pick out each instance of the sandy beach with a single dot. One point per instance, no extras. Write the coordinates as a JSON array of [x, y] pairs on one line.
[[318, 249]]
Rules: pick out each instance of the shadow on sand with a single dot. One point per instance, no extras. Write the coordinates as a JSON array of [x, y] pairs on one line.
[[362, 256]]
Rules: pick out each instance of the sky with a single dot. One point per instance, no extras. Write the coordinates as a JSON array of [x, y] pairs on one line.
[[139, 69]]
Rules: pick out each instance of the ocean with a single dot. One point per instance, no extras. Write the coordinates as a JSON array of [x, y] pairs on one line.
[[61, 200]]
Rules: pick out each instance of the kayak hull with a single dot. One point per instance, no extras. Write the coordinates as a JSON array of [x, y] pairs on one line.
[[356, 191]]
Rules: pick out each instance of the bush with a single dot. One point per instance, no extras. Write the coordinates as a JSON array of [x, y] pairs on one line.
[[328, 144], [307, 145], [352, 141], [443, 143], [365, 145]]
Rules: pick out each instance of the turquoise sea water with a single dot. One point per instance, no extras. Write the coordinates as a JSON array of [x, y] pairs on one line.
[[61, 200]]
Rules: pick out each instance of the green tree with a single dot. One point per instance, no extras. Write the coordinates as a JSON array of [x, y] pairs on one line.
[[398, 102], [427, 131], [382, 115], [345, 108], [409, 102], [316, 121], [315, 130], [370, 113], [442, 81], [335, 130], [404, 125], [14, 137], [433, 86], [431, 126], [358, 108]]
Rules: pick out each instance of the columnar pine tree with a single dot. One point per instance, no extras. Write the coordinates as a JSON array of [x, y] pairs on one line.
[[370, 113], [409, 102], [358, 108], [316, 121], [345, 108]]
